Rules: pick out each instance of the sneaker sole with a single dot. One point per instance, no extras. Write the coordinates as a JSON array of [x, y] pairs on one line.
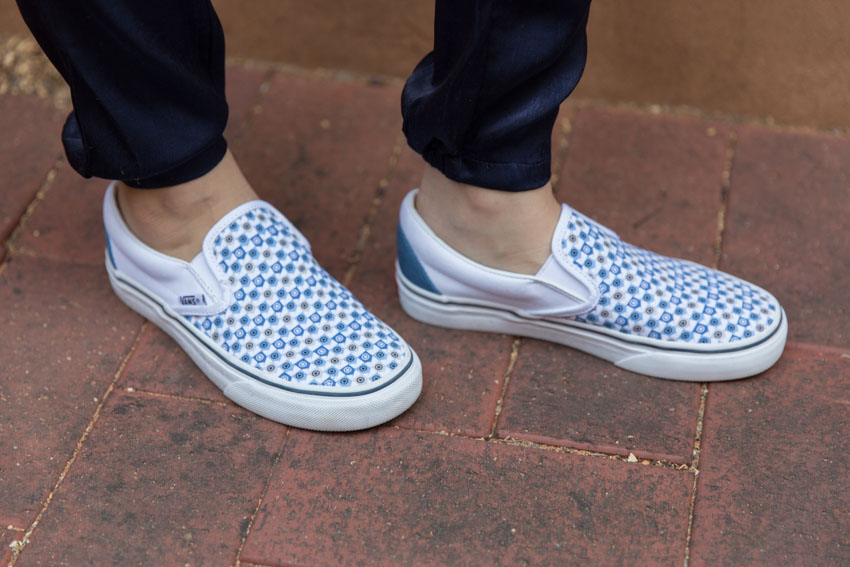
[[319, 412], [641, 355]]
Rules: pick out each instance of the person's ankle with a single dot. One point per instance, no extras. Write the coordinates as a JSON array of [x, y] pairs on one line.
[[507, 230], [174, 220]]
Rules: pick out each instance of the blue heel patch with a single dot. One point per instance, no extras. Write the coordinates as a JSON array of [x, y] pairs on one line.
[[410, 265], [109, 249]]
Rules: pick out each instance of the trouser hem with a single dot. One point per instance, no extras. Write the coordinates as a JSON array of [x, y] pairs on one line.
[[491, 175], [195, 167]]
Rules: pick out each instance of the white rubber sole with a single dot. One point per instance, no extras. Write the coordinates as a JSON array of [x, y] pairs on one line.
[[314, 411], [642, 355]]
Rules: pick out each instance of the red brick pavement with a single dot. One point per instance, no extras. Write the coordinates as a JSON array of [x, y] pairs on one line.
[[773, 487], [396, 497], [788, 225], [115, 450], [28, 150], [8, 539]]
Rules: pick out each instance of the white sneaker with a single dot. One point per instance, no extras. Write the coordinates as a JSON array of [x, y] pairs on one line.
[[266, 323], [642, 311]]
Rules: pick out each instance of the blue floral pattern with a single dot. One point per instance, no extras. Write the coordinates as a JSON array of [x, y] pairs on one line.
[[646, 294], [289, 318]]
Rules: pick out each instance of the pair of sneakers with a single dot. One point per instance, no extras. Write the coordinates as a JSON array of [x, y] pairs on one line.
[[282, 338]]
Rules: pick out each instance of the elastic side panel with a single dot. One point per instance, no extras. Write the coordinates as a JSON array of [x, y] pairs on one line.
[[410, 265]]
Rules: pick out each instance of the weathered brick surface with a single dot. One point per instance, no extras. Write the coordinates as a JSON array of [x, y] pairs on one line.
[[29, 147], [773, 487], [7, 537], [67, 225], [317, 150], [242, 89], [396, 497], [159, 482], [787, 227], [163, 480], [560, 396], [655, 180], [64, 335], [160, 365]]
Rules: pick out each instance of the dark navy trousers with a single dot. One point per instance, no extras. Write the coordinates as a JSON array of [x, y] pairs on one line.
[[147, 84]]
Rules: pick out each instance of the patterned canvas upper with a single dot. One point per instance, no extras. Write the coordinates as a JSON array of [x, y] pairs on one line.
[[289, 318], [649, 295]]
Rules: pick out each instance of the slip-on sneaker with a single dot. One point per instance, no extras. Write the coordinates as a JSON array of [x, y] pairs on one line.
[[266, 323], [642, 311]]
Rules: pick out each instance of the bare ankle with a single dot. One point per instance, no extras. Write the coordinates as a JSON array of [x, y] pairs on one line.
[[501, 229], [174, 220]]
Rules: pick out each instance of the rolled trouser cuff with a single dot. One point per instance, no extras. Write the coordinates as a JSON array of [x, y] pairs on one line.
[[187, 170], [481, 106], [147, 81]]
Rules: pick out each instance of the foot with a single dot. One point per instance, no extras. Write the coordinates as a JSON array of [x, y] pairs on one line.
[[645, 312], [264, 321]]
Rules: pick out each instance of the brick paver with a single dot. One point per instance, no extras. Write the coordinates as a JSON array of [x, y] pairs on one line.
[[29, 148], [787, 227], [559, 396], [655, 180], [317, 150], [394, 497], [64, 335], [242, 90], [773, 484], [67, 225], [171, 472], [160, 482]]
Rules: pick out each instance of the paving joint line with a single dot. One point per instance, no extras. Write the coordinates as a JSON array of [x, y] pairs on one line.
[[256, 511], [725, 189], [23, 252], [843, 352], [509, 441], [10, 243], [337, 75], [512, 358], [365, 231], [25, 540], [695, 467], [729, 118], [152, 394], [661, 463]]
